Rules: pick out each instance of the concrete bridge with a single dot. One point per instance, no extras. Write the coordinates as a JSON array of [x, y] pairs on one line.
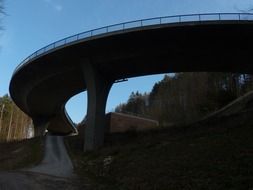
[[43, 83]]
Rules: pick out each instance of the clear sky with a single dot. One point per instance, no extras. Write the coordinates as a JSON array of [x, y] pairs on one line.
[[32, 24]]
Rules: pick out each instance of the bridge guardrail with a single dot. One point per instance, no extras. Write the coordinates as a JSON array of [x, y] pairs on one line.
[[136, 24]]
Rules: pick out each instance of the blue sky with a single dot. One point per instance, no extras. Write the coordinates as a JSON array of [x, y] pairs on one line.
[[32, 24]]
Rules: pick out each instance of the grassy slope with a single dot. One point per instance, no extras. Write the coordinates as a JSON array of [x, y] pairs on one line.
[[217, 154], [20, 154]]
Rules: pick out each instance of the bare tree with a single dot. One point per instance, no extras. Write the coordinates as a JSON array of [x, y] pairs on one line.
[[10, 123], [1, 117]]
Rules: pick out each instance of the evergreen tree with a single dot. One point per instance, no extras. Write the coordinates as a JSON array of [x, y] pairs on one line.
[[186, 97]]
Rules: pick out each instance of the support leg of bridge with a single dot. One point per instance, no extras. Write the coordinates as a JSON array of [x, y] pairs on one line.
[[40, 126], [98, 87]]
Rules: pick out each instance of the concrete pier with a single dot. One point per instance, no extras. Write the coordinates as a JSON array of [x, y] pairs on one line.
[[98, 87]]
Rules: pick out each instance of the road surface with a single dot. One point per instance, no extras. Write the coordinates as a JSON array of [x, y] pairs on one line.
[[56, 161], [54, 172]]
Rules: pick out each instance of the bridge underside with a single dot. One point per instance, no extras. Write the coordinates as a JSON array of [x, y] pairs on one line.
[[42, 87]]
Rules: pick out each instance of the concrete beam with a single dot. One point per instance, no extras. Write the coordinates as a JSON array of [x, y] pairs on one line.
[[59, 124], [98, 87]]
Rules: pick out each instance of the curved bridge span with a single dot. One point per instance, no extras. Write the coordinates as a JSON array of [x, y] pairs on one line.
[[43, 83]]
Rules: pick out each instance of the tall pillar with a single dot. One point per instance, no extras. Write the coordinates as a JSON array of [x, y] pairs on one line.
[[98, 87]]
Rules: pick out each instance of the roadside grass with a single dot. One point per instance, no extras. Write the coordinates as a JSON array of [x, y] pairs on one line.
[[20, 154], [214, 154]]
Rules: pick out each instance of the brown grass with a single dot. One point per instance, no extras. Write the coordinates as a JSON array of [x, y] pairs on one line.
[[216, 154], [16, 155]]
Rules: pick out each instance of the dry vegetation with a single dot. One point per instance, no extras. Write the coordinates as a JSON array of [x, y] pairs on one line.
[[16, 155], [212, 154]]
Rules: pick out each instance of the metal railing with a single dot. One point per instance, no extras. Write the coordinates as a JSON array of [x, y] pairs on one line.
[[137, 24]]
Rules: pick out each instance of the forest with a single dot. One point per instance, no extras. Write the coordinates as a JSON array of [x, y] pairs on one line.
[[14, 124], [187, 97]]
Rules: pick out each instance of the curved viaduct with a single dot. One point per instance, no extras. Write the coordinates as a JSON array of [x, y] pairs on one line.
[[43, 83]]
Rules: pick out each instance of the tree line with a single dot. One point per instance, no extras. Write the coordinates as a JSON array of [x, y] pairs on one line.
[[14, 124], [186, 97]]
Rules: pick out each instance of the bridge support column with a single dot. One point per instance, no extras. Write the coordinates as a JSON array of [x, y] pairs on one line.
[[98, 87], [40, 126]]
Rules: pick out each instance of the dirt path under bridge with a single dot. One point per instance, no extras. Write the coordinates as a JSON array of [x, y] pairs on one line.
[[54, 172]]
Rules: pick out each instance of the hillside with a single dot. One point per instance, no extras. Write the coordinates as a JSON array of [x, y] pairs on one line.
[[216, 153], [187, 97], [20, 154], [240, 105]]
